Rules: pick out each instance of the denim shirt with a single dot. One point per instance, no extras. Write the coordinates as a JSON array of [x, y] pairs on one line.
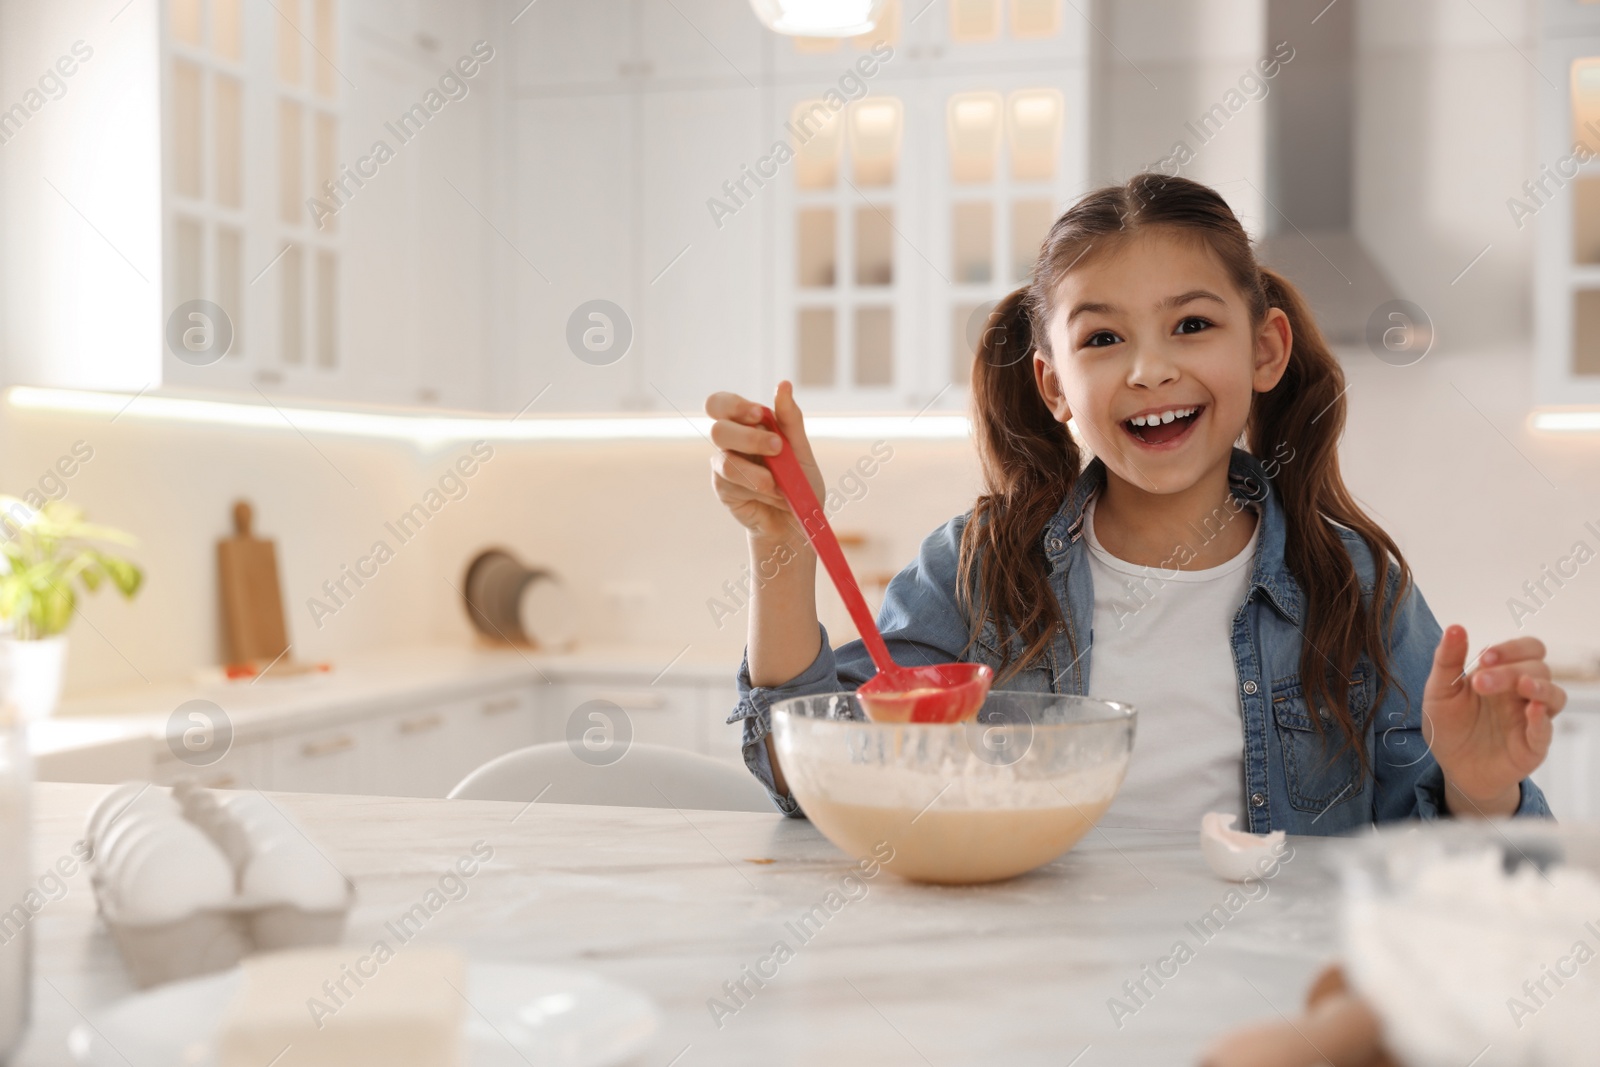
[[1298, 778]]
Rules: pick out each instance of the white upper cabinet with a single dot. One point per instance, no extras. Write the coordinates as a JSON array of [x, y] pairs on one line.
[[611, 205], [572, 243], [81, 277], [255, 122], [802, 208], [700, 44], [327, 161], [922, 199], [569, 45], [1565, 197]]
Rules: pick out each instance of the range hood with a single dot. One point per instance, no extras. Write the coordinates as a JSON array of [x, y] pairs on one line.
[[1310, 170]]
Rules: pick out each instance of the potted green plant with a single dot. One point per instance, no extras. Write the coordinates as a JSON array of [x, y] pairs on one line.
[[46, 553]]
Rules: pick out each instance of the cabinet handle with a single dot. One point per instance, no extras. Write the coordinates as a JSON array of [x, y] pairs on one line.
[[635, 700], [313, 749], [500, 707], [422, 725]]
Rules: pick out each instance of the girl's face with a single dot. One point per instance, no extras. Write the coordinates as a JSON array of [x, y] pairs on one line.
[[1155, 360]]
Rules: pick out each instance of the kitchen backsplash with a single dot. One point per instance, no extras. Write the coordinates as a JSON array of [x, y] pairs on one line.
[[1439, 452]]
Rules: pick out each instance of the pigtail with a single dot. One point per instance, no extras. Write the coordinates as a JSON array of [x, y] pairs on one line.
[[1030, 462], [1297, 426]]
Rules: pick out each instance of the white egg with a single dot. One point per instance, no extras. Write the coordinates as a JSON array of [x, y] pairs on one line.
[[130, 800], [108, 803], [170, 875], [133, 826], [262, 822], [117, 843], [292, 871]]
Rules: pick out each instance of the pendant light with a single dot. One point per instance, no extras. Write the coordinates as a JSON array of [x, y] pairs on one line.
[[819, 18]]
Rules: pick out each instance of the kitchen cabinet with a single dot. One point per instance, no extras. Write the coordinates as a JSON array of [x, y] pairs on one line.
[[244, 765], [423, 750], [417, 753], [665, 713], [1570, 776], [581, 164], [417, 250], [1567, 258], [346, 758], [491, 725], [571, 241], [195, 142], [411, 724], [629, 122], [679, 713], [699, 283], [570, 45], [700, 42]]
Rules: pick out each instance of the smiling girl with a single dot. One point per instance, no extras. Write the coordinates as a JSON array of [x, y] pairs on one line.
[[1284, 666]]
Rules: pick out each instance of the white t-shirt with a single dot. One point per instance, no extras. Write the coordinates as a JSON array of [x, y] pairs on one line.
[[1162, 642]]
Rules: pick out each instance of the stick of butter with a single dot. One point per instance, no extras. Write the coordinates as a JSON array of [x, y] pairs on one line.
[[340, 1007]]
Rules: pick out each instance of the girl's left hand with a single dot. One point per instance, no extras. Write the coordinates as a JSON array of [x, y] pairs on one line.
[[1491, 728]]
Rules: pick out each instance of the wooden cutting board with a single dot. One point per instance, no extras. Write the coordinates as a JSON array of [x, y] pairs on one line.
[[252, 602]]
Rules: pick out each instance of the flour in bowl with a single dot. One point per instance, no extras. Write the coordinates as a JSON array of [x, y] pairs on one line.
[[1466, 963]]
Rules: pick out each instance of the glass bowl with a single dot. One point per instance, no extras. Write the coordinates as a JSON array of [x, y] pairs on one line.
[[1475, 940], [956, 803]]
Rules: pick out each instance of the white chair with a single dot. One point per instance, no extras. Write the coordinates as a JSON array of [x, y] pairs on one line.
[[647, 776]]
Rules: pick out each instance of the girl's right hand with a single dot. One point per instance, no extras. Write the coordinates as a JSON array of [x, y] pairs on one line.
[[739, 474]]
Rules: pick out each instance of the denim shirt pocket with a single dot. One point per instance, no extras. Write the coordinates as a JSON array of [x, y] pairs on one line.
[[1037, 677], [1319, 768]]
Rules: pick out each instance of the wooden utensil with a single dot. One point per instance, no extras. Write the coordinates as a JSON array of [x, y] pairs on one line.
[[252, 602]]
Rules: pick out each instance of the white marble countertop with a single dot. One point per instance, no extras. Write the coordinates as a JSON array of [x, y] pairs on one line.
[[1020, 973]]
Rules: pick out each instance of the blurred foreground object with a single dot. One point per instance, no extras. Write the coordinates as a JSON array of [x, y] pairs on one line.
[[1337, 1028]]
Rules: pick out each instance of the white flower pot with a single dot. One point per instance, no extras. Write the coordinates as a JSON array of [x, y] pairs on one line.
[[38, 669]]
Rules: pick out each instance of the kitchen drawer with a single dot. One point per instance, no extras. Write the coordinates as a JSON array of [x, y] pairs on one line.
[[246, 765], [667, 713], [336, 759], [490, 725], [418, 752], [1570, 776]]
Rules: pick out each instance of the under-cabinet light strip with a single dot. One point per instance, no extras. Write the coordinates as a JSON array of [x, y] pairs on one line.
[[430, 429], [1567, 420]]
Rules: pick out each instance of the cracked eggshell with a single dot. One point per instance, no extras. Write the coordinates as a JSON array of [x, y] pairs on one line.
[[1237, 854]]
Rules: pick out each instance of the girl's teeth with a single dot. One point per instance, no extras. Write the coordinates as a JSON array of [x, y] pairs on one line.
[[1165, 416]]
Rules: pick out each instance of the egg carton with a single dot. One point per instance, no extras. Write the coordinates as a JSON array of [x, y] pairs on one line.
[[188, 885]]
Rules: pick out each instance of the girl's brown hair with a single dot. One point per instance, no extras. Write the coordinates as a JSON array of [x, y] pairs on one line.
[[1030, 461]]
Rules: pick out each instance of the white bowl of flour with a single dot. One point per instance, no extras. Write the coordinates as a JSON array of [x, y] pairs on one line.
[[1478, 942]]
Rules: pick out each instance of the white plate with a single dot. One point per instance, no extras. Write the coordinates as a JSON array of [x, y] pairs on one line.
[[524, 1014]]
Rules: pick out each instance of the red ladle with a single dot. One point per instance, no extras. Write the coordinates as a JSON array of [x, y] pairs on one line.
[[943, 692]]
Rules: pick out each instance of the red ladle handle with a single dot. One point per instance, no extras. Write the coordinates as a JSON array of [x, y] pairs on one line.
[[796, 489]]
